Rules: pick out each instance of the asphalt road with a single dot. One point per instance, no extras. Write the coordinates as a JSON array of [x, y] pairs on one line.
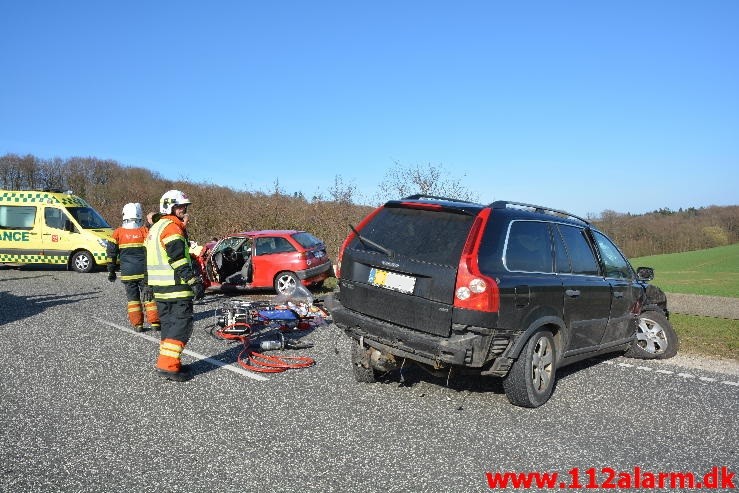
[[83, 410]]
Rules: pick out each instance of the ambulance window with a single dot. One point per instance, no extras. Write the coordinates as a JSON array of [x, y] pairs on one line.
[[88, 218], [55, 218], [17, 217]]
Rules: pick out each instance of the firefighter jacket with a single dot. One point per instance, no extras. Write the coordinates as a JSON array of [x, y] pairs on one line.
[[169, 269], [129, 245]]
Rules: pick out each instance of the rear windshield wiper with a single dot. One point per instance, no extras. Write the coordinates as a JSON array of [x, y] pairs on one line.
[[369, 243]]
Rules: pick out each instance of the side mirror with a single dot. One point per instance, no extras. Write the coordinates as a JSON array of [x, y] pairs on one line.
[[68, 226], [645, 273]]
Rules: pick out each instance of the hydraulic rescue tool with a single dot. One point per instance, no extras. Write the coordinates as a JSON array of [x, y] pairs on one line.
[[251, 321]]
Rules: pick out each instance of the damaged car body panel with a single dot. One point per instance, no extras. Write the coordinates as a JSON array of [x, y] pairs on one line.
[[268, 259]]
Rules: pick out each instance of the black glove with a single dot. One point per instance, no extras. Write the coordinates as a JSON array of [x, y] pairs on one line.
[[147, 293], [198, 289], [111, 273]]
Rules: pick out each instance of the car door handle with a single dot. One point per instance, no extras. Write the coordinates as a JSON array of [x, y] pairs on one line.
[[573, 293], [618, 294]]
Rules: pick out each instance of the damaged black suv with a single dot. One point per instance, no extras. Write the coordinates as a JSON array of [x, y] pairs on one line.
[[508, 290]]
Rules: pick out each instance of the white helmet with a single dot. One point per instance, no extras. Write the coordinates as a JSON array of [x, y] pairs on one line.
[[171, 198], [133, 215]]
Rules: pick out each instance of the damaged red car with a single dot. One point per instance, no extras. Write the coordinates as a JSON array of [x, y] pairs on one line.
[[272, 259]]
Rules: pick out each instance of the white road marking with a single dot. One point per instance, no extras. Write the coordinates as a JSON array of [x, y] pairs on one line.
[[198, 356], [670, 372]]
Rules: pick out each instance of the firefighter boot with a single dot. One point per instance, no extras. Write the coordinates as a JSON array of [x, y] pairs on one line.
[[176, 376], [169, 365]]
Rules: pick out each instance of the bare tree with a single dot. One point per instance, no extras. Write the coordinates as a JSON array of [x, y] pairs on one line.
[[342, 191], [429, 179]]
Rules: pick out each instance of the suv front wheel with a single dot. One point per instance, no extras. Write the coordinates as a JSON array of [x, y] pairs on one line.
[[530, 381], [655, 338]]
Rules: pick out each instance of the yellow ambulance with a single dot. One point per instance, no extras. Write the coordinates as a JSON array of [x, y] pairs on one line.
[[51, 227]]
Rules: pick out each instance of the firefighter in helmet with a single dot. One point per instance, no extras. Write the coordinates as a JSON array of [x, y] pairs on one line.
[[174, 281], [127, 245]]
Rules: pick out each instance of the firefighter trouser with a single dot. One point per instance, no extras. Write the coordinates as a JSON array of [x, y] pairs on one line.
[[135, 308], [177, 325]]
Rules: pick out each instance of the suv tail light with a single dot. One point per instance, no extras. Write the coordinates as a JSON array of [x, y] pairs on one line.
[[473, 290], [350, 237]]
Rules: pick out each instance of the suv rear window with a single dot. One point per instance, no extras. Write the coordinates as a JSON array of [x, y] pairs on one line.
[[529, 248], [581, 254], [429, 236]]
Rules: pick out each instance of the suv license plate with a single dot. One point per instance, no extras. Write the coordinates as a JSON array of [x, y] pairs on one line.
[[392, 280]]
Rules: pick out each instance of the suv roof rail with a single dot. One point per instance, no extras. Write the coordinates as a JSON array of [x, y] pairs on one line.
[[434, 197], [502, 204]]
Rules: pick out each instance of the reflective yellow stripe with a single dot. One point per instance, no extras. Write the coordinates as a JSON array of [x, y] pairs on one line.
[[179, 263], [171, 354], [177, 295], [132, 245], [170, 345], [171, 238], [132, 277]]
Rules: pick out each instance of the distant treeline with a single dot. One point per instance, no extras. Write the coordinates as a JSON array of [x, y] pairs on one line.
[[667, 231], [217, 210]]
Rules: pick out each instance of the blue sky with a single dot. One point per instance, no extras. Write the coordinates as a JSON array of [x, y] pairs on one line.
[[585, 106]]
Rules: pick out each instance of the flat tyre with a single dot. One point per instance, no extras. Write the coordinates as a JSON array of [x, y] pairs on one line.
[[655, 337], [530, 381]]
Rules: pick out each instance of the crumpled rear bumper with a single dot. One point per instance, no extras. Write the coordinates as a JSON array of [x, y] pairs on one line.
[[465, 349]]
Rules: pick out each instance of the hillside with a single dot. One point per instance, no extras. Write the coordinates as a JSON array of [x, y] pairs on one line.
[[666, 231], [714, 271]]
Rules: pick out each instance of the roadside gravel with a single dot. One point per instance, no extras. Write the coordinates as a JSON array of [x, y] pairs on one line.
[[706, 306], [688, 360]]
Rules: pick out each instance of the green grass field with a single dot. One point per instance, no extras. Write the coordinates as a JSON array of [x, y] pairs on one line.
[[714, 271], [707, 336]]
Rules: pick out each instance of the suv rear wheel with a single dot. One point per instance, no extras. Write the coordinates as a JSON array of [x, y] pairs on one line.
[[530, 381], [655, 338]]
